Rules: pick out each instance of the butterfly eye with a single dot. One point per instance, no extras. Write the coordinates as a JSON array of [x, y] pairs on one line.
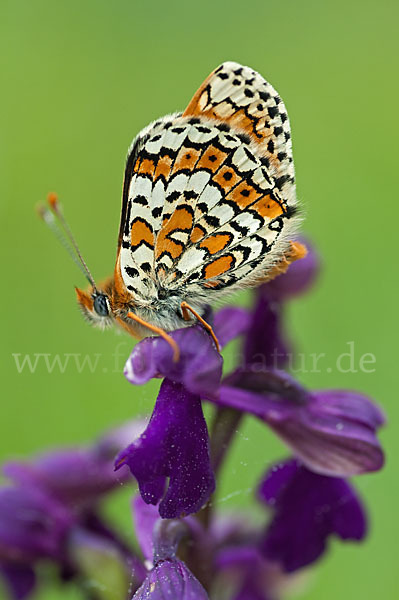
[[101, 305]]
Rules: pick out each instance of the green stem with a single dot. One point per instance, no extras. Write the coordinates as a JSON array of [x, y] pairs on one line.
[[224, 426]]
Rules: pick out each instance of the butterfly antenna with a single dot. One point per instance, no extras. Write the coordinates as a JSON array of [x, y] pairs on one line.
[[65, 235], [56, 207], [51, 223]]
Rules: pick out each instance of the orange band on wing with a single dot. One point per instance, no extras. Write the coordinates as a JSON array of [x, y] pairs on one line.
[[218, 266], [216, 243], [147, 167], [186, 159], [141, 232], [227, 178], [197, 233], [267, 207], [212, 159], [163, 167], [243, 195], [182, 220]]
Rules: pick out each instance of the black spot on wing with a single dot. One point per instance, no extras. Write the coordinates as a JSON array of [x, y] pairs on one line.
[[173, 196], [212, 221], [146, 267], [131, 272], [265, 96], [272, 111], [190, 195], [203, 129], [156, 212], [140, 200]]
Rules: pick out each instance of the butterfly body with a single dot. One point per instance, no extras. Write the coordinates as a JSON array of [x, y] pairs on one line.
[[208, 208]]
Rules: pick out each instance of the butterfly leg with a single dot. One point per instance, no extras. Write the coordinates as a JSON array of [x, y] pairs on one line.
[[160, 332], [186, 309], [295, 252]]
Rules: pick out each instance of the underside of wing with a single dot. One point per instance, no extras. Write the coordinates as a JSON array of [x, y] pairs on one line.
[[210, 197], [240, 96]]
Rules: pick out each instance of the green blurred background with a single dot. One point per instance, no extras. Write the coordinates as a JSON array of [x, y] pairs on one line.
[[79, 80]]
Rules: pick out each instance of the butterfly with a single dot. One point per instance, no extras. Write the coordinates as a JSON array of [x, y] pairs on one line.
[[208, 207]]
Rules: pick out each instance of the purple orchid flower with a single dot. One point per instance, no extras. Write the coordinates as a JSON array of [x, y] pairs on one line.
[[144, 518], [266, 345], [76, 476], [245, 573], [307, 509], [168, 574], [332, 431], [175, 445], [199, 368], [33, 527], [53, 497], [32, 524], [167, 577]]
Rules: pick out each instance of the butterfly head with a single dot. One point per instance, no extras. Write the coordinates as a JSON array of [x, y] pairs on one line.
[[96, 306]]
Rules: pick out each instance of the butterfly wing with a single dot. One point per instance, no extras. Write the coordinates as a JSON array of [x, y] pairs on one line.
[[239, 96], [210, 198], [143, 201]]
